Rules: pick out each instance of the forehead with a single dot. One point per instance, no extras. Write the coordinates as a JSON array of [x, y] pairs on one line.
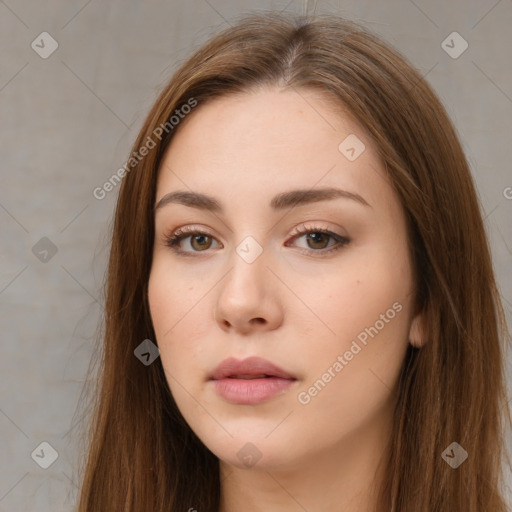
[[271, 140], [293, 120]]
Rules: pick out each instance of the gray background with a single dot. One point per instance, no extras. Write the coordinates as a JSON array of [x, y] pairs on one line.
[[67, 124]]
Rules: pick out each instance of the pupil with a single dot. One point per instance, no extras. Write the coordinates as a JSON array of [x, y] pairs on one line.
[[317, 236], [201, 239]]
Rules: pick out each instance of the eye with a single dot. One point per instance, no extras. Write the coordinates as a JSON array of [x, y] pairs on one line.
[[199, 240], [317, 239]]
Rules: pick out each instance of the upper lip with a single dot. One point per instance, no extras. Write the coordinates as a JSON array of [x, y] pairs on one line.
[[232, 367]]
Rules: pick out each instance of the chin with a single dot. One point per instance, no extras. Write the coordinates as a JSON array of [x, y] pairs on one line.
[[254, 451]]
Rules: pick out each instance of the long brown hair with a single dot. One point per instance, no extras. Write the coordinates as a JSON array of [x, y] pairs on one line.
[[142, 455]]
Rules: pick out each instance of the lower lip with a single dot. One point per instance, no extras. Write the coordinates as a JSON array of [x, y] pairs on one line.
[[251, 391]]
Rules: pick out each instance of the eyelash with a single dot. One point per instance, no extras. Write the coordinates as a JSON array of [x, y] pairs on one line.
[[172, 240]]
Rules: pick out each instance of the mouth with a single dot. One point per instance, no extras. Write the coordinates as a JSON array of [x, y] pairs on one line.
[[250, 368], [259, 376], [251, 391], [250, 381]]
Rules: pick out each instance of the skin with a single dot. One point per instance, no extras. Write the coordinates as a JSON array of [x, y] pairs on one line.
[[292, 306]]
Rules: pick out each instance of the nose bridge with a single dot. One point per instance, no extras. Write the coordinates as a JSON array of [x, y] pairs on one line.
[[246, 297], [247, 264]]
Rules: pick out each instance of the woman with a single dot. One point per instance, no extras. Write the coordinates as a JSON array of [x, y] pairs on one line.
[[302, 241]]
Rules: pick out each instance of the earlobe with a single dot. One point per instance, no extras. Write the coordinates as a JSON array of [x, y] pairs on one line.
[[417, 332]]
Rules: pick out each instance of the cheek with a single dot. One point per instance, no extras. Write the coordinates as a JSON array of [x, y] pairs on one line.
[[351, 374], [368, 322], [366, 310], [174, 296], [344, 299], [177, 315]]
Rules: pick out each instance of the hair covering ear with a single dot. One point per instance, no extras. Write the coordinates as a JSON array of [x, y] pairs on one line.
[[417, 331]]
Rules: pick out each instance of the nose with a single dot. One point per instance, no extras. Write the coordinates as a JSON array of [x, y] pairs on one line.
[[248, 297]]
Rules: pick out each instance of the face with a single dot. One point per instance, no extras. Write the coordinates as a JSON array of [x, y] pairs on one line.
[[318, 285]]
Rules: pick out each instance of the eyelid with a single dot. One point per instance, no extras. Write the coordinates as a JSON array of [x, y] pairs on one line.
[[310, 226], [192, 229]]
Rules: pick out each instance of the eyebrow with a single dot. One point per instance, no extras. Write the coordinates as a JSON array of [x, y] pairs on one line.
[[278, 202]]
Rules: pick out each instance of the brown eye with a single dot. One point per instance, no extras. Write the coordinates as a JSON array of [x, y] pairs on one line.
[[198, 242], [318, 240]]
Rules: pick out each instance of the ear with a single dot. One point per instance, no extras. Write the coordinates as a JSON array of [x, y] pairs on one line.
[[417, 331]]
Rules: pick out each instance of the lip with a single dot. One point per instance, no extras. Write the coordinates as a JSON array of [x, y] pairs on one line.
[[231, 367], [268, 380]]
